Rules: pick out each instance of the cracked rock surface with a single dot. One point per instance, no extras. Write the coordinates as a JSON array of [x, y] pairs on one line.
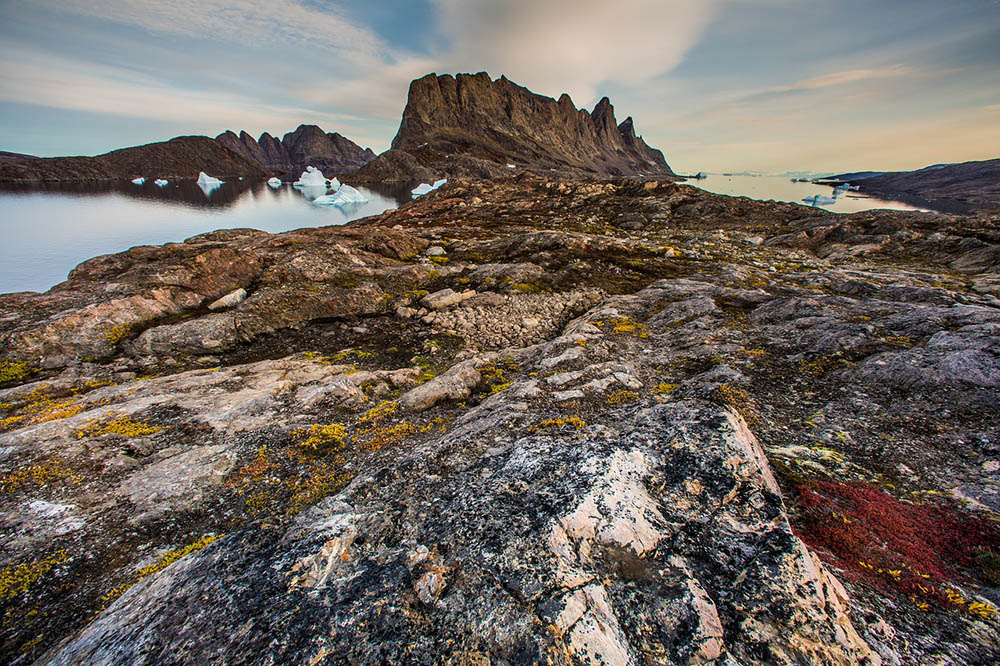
[[610, 423]]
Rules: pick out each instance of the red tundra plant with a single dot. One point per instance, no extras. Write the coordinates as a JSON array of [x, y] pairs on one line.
[[875, 538]]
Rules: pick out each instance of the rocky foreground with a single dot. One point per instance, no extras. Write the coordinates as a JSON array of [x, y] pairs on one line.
[[513, 422]]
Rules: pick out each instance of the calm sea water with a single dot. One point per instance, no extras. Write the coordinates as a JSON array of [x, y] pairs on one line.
[[779, 188], [45, 233]]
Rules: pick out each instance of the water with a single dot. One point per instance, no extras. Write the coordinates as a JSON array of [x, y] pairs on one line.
[[46, 232], [779, 188]]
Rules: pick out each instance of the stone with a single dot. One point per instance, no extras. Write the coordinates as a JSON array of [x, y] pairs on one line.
[[229, 300]]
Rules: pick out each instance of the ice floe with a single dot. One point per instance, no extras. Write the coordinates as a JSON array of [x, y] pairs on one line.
[[424, 188], [139, 181], [820, 200], [344, 195], [205, 179], [274, 182], [311, 177], [161, 182]]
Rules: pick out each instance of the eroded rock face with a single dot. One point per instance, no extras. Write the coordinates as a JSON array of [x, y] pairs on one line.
[[308, 145], [469, 125], [668, 442]]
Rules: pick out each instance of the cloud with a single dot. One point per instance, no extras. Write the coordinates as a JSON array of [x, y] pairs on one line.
[[35, 78], [247, 22], [574, 46]]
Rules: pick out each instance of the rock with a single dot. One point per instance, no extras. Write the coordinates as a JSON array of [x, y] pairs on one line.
[[435, 251], [445, 298], [456, 384], [512, 125], [229, 300]]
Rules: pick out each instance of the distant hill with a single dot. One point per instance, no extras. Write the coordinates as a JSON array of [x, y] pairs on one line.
[[182, 157], [973, 184], [308, 145], [470, 125]]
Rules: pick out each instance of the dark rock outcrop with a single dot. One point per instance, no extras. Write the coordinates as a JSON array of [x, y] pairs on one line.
[[182, 157], [308, 145], [469, 125], [974, 184]]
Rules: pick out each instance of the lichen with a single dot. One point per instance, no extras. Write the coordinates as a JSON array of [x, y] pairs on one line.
[[323, 437], [41, 474], [16, 579], [15, 371], [123, 426]]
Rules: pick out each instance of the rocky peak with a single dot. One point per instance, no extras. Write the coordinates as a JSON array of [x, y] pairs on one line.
[[470, 124], [308, 145]]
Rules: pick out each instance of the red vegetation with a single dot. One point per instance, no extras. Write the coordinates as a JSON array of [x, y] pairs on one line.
[[911, 548]]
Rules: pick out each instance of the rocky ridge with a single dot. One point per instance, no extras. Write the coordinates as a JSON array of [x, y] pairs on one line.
[[518, 421], [469, 125], [976, 185], [308, 145], [182, 157]]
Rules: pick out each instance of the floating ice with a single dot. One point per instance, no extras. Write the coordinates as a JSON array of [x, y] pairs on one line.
[[424, 188], [205, 179], [511, 166], [311, 177], [161, 182], [345, 195], [139, 181], [274, 182], [820, 200]]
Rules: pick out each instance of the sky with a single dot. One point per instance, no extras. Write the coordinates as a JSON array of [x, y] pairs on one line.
[[718, 85]]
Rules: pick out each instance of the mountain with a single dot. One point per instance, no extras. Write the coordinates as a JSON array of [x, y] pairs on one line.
[[308, 145], [182, 157], [973, 184], [470, 125]]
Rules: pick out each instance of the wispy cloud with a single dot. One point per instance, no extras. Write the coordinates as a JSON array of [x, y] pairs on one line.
[[572, 46], [247, 22]]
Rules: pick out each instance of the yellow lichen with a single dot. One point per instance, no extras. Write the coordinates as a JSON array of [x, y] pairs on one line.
[[739, 400], [380, 412], [15, 580], [41, 474], [621, 396], [123, 426], [15, 371], [320, 437], [665, 388], [560, 422]]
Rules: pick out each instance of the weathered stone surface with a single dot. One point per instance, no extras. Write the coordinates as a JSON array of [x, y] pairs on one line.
[[627, 446]]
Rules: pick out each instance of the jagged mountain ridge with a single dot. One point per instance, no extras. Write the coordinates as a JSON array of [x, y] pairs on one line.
[[308, 145], [471, 125], [181, 157]]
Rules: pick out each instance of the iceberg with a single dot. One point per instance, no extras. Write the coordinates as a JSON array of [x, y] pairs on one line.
[[161, 182], [139, 181], [274, 182], [511, 166], [311, 177], [424, 188], [345, 195], [820, 200], [205, 179]]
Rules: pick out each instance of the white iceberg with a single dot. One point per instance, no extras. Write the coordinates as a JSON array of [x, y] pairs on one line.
[[820, 200], [345, 195], [424, 188], [311, 177], [511, 166], [205, 179], [161, 182], [139, 181], [274, 182]]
